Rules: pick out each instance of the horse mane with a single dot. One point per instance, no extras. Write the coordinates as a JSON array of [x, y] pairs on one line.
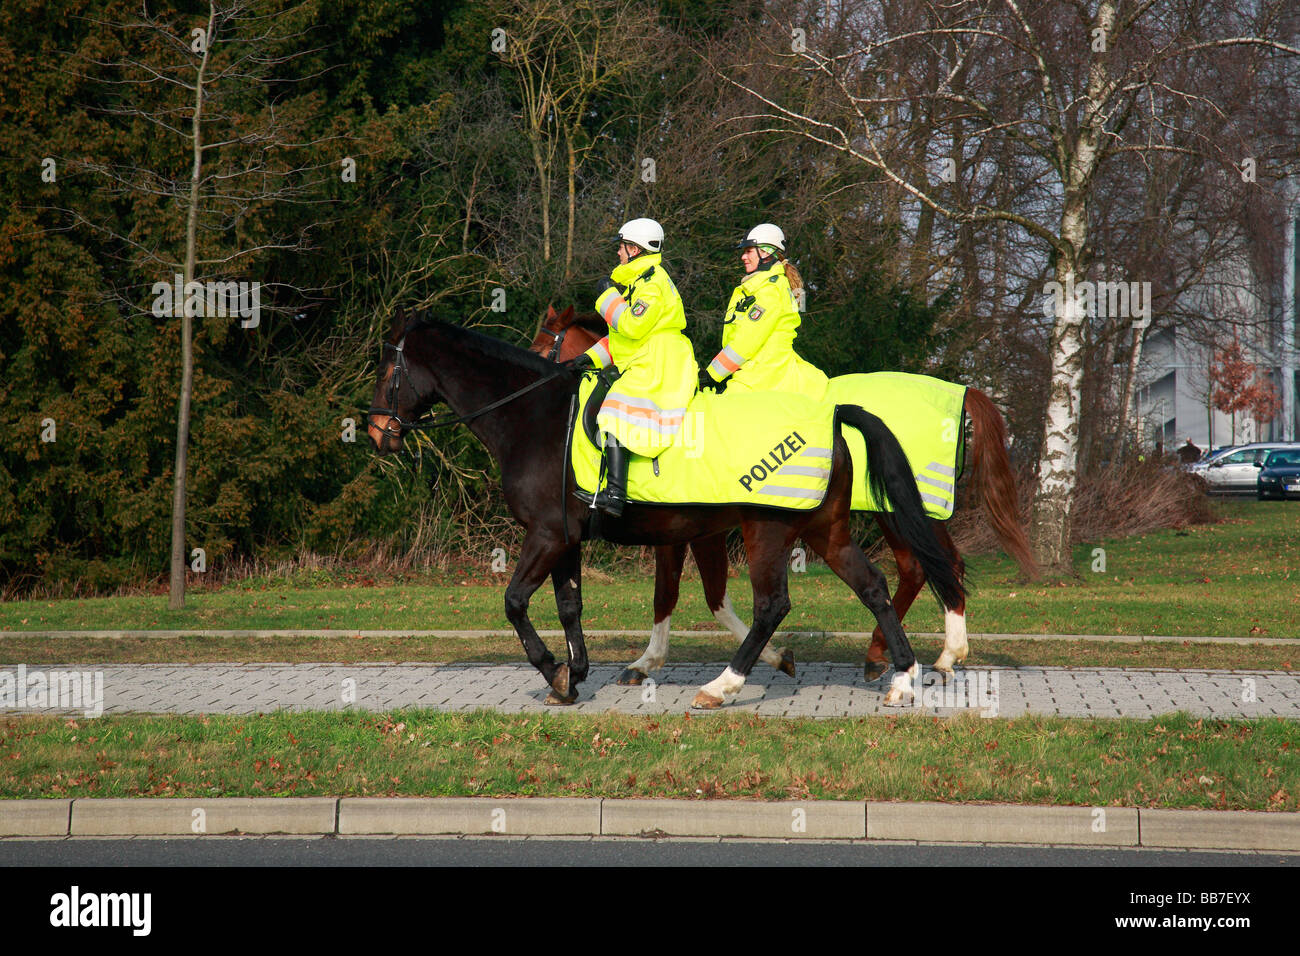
[[592, 322], [488, 346]]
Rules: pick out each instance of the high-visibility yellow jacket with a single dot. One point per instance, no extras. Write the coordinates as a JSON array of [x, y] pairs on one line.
[[758, 339], [647, 404]]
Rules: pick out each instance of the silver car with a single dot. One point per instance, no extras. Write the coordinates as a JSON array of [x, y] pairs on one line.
[[1237, 469]]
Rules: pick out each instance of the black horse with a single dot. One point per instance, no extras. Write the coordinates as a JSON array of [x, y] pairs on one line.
[[518, 405]]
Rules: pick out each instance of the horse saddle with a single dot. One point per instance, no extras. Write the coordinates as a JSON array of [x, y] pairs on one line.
[[605, 379]]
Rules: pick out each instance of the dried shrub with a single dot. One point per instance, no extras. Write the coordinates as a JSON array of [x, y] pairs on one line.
[[1117, 502]]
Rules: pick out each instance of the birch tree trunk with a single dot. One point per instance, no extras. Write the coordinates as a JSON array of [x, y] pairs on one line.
[[1126, 392], [1058, 465], [1058, 468]]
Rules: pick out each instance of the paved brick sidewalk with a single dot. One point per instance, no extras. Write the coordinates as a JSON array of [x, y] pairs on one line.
[[821, 690]]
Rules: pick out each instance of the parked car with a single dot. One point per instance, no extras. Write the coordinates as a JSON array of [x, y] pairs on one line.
[[1238, 468], [1198, 467], [1280, 476]]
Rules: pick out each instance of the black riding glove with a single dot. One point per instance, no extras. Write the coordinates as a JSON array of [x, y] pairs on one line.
[[611, 284], [579, 364], [707, 381]]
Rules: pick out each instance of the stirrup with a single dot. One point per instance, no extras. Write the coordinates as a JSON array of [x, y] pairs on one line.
[[609, 504], [601, 501]]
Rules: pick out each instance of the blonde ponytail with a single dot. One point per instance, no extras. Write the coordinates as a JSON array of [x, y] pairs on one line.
[[792, 276]]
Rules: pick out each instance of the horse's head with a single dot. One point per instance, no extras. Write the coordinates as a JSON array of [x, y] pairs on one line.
[[399, 389], [549, 340], [566, 335]]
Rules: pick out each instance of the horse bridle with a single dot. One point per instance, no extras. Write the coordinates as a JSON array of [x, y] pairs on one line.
[[554, 354], [394, 386], [428, 421]]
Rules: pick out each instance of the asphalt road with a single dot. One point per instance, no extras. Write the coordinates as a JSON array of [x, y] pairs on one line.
[[588, 851]]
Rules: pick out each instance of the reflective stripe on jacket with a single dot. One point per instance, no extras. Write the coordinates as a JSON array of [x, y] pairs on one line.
[[758, 336], [645, 408]]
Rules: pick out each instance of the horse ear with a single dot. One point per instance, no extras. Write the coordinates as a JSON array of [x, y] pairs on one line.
[[567, 315], [399, 324], [550, 312]]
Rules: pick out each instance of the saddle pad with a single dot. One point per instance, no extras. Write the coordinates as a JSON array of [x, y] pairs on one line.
[[925, 414], [763, 448]]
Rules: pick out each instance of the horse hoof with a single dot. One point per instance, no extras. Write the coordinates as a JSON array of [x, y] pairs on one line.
[[787, 662], [552, 700], [561, 692], [895, 698], [704, 701], [875, 670], [631, 678]]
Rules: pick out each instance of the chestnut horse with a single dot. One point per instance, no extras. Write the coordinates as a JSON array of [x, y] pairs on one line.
[[564, 336], [482, 379]]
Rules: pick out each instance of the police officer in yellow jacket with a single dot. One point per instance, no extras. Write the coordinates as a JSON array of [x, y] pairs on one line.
[[644, 409], [761, 322]]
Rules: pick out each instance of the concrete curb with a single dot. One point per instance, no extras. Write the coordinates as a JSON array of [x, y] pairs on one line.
[[792, 819], [167, 816], [35, 817], [1242, 830], [1001, 823], [502, 632], [519, 817], [524, 816]]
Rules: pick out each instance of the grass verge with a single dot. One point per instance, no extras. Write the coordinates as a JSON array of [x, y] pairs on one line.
[[1176, 761], [1234, 579], [692, 647]]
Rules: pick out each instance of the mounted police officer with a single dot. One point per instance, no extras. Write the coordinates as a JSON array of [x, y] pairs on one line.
[[761, 323], [646, 405]]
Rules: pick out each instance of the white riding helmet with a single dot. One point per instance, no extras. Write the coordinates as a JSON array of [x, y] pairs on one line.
[[646, 233], [765, 234]]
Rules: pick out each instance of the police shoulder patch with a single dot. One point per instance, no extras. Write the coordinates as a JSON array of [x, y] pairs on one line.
[[756, 313], [639, 307]]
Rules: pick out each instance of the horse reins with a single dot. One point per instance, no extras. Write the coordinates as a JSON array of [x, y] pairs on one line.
[[428, 421]]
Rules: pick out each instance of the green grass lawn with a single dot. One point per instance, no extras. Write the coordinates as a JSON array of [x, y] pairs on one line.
[[1236, 579], [1176, 761]]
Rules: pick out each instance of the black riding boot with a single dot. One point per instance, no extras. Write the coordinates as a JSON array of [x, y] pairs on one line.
[[614, 496]]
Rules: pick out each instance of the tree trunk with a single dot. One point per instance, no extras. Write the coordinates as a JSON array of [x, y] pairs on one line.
[[544, 182], [568, 239], [1126, 392], [919, 266], [1095, 388], [1058, 466], [177, 592], [1057, 469]]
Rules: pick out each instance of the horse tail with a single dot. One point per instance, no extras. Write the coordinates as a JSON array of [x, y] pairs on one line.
[[995, 482], [890, 478]]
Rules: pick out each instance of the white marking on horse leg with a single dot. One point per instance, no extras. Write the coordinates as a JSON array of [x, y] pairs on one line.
[[900, 688], [657, 652], [955, 646], [726, 616], [725, 685]]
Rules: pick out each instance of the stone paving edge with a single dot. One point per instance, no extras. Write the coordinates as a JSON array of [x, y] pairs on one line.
[[873, 821]]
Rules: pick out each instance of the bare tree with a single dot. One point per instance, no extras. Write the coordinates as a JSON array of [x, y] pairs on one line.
[[213, 94], [565, 54], [1047, 94]]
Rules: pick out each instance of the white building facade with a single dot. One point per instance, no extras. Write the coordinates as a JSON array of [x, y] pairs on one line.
[[1173, 397]]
